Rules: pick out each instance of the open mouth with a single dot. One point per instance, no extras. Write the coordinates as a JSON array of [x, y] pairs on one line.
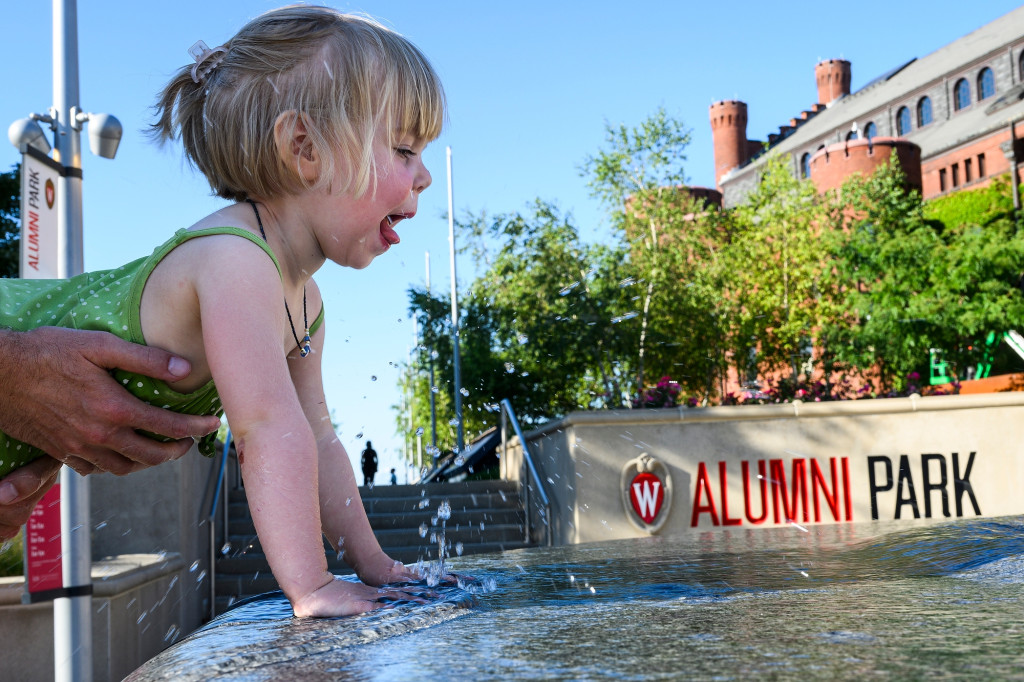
[[387, 229]]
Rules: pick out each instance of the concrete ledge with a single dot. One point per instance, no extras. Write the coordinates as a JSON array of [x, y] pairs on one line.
[[834, 408], [139, 606]]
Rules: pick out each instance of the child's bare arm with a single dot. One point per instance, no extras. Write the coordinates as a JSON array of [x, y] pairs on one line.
[[241, 300], [342, 514]]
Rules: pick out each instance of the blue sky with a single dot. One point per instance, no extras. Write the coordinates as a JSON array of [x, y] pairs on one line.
[[531, 86]]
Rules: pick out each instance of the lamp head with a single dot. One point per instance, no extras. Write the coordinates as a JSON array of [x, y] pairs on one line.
[[28, 131], [104, 135]]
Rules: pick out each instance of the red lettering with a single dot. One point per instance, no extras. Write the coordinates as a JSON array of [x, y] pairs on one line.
[[746, 491], [779, 489], [726, 521], [818, 482], [698, 508], [846, 489]]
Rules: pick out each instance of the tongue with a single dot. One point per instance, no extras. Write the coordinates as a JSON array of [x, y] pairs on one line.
[[388, 232]]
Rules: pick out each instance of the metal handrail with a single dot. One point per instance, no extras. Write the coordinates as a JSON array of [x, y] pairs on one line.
[[528, 459], [213, 527]]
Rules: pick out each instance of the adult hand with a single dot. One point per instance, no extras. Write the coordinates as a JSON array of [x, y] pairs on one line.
[[57, 394], [21, 490]]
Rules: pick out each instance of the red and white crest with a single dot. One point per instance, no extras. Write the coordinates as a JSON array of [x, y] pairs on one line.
[[646, 492]]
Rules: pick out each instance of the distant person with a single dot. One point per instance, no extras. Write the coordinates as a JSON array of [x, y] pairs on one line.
[[369, 463], [313, 124], [394, 478]]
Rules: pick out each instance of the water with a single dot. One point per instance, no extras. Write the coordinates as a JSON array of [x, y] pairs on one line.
[[828, 602]]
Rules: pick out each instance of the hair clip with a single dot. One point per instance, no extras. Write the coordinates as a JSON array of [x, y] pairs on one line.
[[201, 52]]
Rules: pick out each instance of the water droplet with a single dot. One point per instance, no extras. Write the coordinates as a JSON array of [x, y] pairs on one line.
[[629, 281], [522, 338], [464, 391], [201, 576], [373, 377], [194, 567], [622, 318], [424, 530], [172, 632], [225, 548], [419, 431], [481, 525], [348, 501], [453, 421], [360, 434], [433, 389], [433, 355], [444, 511], [460, 460], [458, 548], [509, 367], [564, 291]]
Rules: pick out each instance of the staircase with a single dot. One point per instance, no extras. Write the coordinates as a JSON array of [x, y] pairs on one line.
[[486, 516]]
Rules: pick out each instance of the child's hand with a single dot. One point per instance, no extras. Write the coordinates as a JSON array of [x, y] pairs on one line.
[[345, 598], [382, 570]]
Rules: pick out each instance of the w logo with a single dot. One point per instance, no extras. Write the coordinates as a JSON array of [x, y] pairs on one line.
[[646, 493]]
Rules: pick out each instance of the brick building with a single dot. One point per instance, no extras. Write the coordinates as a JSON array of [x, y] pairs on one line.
[[953, 117]]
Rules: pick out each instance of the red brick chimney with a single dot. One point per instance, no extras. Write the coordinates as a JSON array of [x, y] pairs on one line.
[[833, 76], [729, 136]]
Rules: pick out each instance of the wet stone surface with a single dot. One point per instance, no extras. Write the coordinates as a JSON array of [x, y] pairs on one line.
[[829, 602]]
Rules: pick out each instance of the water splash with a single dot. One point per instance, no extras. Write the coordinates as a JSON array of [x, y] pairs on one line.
[[622, 318]]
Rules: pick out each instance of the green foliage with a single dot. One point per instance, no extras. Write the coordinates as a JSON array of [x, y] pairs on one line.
[[815, 297], [10, 222], [973, 207]]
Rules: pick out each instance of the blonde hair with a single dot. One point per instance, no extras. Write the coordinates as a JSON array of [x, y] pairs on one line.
[[347, 78]]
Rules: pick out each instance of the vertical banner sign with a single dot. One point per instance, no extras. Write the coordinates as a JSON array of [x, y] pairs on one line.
[[41, 248], [41, 252], [44, 578]]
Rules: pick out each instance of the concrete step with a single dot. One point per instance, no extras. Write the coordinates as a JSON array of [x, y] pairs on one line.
[[486, 516]]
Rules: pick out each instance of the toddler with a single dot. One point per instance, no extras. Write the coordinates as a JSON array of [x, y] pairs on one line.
[[313, 123]]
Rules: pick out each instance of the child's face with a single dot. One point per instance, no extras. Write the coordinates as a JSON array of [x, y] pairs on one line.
[[363, 228]]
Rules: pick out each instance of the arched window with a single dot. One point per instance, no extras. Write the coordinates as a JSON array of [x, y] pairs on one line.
[[805, 165], [961, 94], [903, 121], [924, 112], [852, 135], [870, 130], [986, 84]]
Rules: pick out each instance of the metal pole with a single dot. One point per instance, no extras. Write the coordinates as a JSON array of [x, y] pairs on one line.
[[455, 310], [433, 398], [72, 615]]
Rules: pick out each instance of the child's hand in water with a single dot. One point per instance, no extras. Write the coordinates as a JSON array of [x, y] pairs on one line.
[[383, 570], [346, 598]]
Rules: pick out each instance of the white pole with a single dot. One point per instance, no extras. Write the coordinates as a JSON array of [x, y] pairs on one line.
[[433, 398], [455, 310], [72, 614]]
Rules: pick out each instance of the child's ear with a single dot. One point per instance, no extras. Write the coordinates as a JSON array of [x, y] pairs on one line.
[[295, 146]]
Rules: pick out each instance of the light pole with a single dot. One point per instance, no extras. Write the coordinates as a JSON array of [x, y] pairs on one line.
[[72, 610], [455, 313]]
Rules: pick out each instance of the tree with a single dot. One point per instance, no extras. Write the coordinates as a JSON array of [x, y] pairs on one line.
[[10, 221]]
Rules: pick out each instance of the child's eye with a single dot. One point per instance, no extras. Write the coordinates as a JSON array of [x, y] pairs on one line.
[[405, 153]]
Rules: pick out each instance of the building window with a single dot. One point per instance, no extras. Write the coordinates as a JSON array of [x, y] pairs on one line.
[[956, 175], [903, 121], [924, 112], [986, 84], [1020, 64], [981, 165], [961, 95], [805, 165], [852, 135], [967, 170], [942, 179], [870, 130]]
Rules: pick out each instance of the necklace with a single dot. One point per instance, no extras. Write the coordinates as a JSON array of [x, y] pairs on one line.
[[303, 345]]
